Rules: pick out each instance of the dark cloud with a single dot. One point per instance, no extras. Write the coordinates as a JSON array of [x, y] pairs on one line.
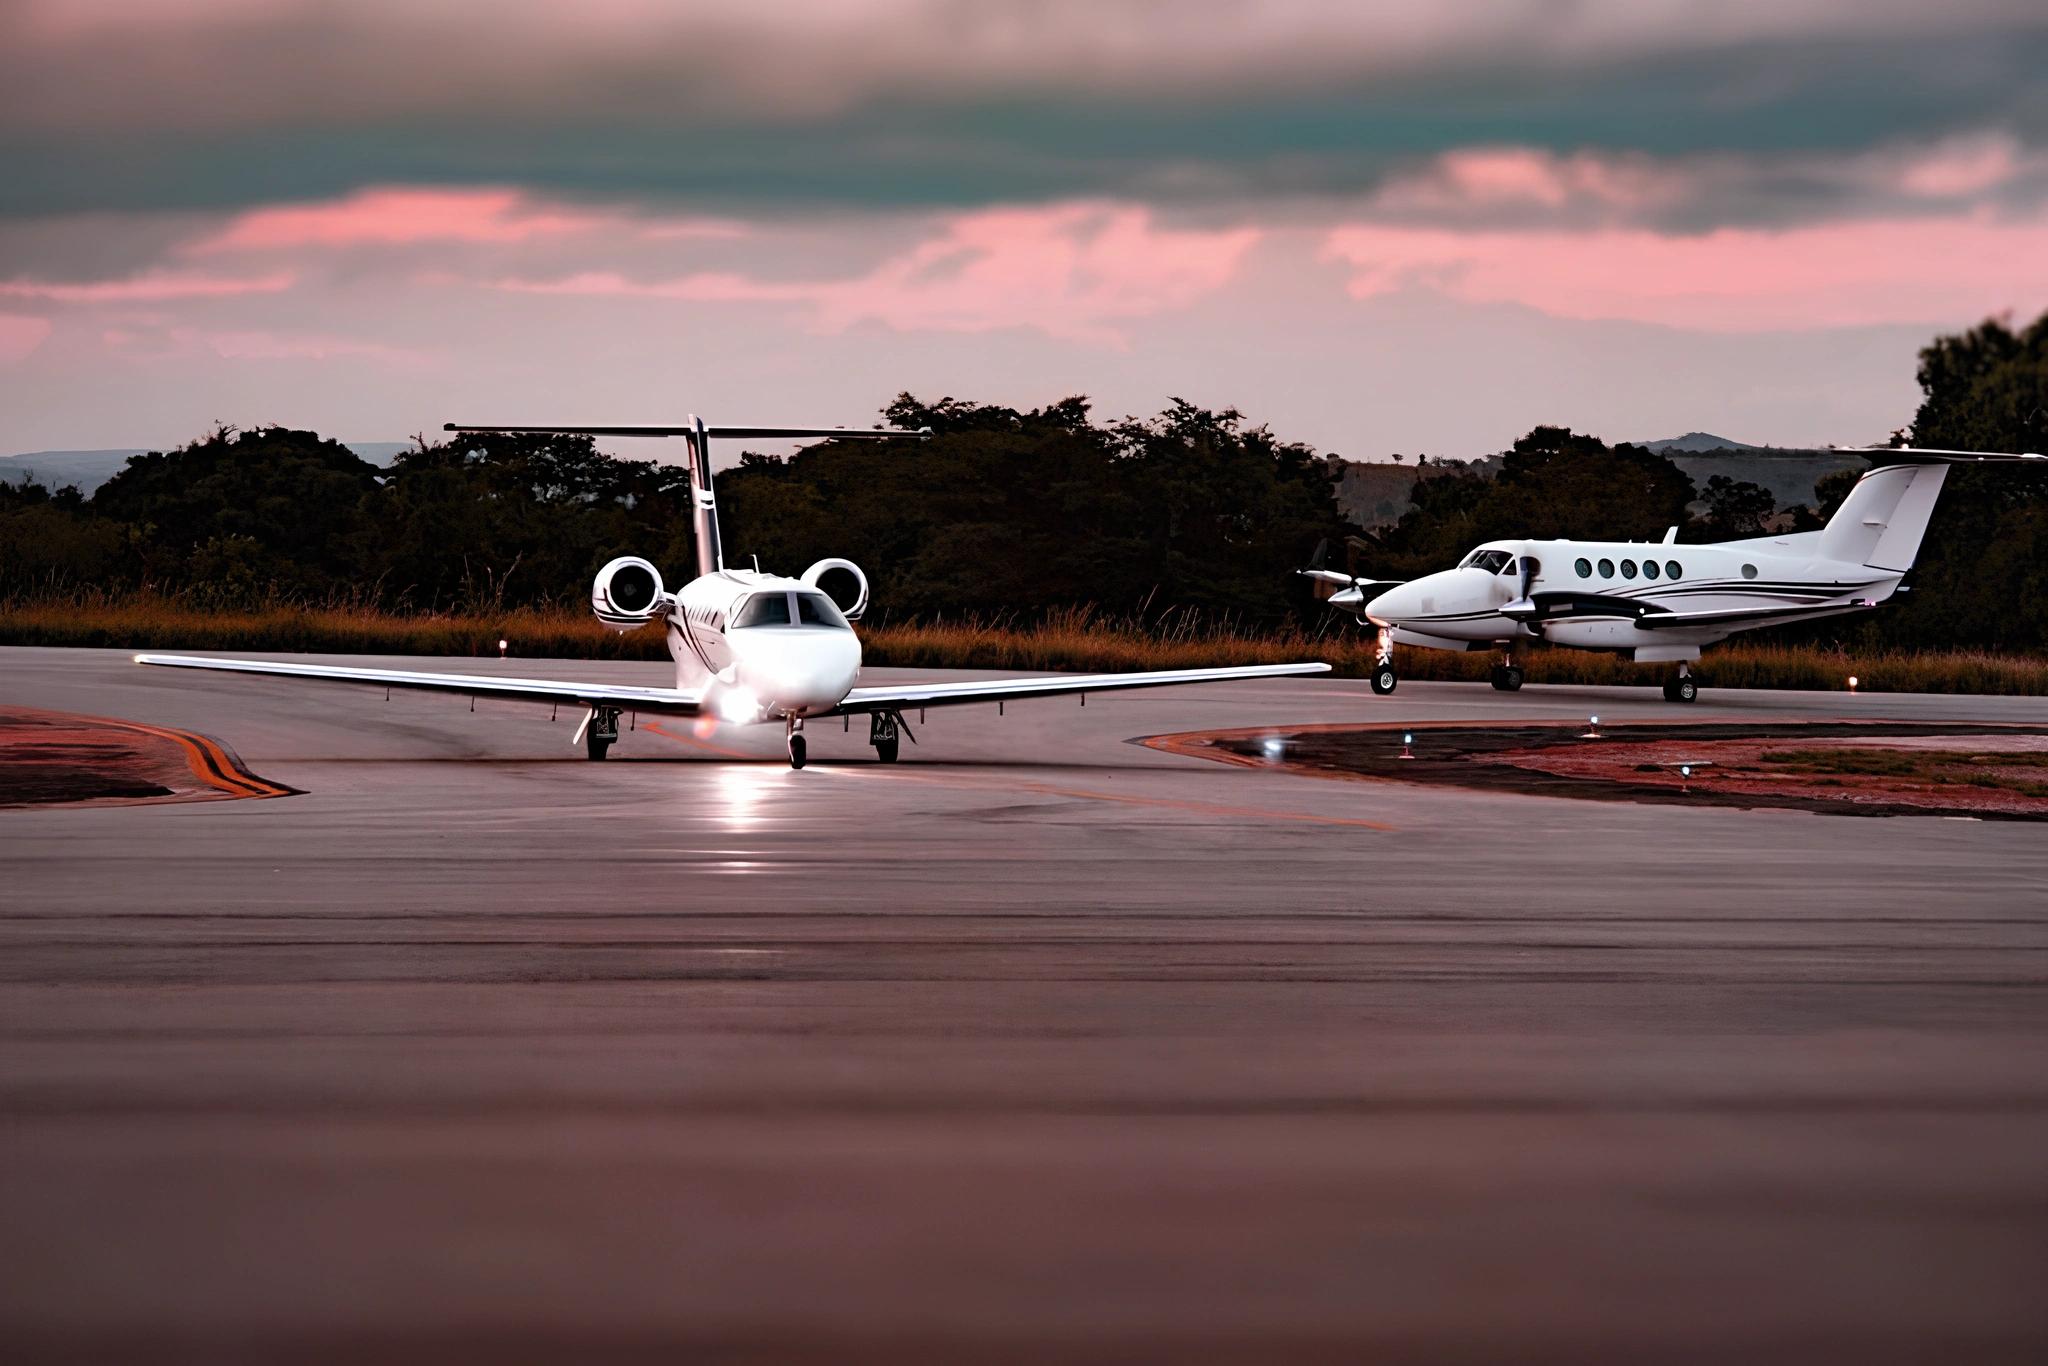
[[937, 104]]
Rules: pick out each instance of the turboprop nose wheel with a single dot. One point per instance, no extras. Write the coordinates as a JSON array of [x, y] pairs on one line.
[[1507, 675], [797, 748]]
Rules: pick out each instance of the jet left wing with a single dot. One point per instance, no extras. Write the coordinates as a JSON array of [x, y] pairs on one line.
[[669, 701], [896, 698]]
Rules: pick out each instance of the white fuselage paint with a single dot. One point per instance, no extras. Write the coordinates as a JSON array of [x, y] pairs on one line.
[[769, 671], [1461, 607]]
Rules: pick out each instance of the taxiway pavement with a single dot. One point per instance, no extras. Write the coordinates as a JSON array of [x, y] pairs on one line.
[[1036, 1043]]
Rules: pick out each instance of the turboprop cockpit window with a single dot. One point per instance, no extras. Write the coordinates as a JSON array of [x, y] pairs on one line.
[[1492, 561], [815, 609], [763, 609]]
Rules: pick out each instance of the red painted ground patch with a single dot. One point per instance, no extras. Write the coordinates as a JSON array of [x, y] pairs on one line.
[[50, 758]]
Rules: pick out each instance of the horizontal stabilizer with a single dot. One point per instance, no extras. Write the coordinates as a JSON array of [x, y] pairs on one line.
[[737, 433]]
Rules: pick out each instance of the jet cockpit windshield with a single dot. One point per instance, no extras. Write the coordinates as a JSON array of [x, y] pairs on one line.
[[773, 609], [1492, 561]]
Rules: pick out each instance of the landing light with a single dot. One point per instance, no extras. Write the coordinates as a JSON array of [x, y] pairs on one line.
[[1273, 749], [1852, 682], [739, 705], [503, 646]]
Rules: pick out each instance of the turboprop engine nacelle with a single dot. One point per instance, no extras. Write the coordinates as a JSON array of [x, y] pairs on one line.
[[627, 593], [823, 567]]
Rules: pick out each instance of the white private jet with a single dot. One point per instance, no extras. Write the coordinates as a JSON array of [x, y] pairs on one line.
[[1662, 602], [748, 646]]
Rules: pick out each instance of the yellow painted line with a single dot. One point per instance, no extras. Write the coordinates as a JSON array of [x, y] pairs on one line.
[[704, 745]]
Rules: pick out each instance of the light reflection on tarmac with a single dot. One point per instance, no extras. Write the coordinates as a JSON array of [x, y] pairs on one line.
[[1038, 1044]]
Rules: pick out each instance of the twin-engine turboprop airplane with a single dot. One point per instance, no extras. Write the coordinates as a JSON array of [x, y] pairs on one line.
[[1660, 603], [748, 646]]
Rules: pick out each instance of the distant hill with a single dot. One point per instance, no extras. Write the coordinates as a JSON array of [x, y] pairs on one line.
[[1694, 442], [89, 469]]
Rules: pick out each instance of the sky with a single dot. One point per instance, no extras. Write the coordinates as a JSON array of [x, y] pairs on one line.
[[1406, 226]]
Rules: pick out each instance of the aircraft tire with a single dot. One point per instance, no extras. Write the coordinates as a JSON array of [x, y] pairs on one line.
[[595, 747], [1684, 690], [1384, 679], [1506, 678], [796, 751], [885, 751]]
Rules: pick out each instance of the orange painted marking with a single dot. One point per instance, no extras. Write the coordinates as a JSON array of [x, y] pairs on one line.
[[704, 745]]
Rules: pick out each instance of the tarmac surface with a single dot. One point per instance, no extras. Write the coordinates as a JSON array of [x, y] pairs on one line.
[[1036, 1045]]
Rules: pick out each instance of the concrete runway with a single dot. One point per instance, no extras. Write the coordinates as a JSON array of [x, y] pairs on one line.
[[1037, 1045]]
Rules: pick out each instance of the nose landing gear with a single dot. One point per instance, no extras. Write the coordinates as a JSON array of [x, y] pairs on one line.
[[1384, 679], [798, 750]]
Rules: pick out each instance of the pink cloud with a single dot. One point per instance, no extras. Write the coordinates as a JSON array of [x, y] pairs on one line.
[[1073, 271], [1842, 274], [151, 287], [1963, 167], [400, 216], [1527, 176], [20, 335]]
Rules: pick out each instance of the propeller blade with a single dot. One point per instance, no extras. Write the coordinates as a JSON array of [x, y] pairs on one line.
[[1322, 555]]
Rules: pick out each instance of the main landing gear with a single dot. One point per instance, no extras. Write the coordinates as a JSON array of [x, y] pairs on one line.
[[798, 750], [1383, 677], [1506, 675], [600, 731], [1683, 687], [885, 732]]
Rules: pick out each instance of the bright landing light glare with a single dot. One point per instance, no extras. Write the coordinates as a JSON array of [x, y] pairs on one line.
[[739, 705]]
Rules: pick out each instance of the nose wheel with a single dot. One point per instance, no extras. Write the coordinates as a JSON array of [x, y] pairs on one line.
[[1506, 675], [798, 750], [1384, 679]]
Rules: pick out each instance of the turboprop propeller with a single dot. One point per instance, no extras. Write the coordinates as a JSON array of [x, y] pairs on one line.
[[1357, 590]]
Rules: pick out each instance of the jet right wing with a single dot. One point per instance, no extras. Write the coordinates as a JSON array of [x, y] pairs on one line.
[[669, 701]]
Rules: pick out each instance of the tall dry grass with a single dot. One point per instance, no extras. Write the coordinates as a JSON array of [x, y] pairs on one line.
[[1077, 639]]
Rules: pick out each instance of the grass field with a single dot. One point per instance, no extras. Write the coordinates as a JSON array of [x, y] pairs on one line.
[[1070, 640]]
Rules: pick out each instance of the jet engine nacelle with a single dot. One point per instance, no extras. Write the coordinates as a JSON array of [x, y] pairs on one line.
[[627, 593], [823, 567]]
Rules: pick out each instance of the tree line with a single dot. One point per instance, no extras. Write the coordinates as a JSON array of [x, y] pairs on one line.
[[1004, 512]]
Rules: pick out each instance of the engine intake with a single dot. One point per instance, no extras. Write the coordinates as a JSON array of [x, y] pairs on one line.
[[627, 593], [859, 604]]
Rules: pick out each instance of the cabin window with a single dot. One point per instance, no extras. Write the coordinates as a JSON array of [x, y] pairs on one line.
[[1650, 570], [1628, 569], [1749, 571], [815, 609], [763, 609], [1606, 569], [1670, 569], [1585, 568]]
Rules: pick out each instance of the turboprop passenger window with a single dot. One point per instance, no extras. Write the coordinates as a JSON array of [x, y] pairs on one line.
[[1628, 569], [1670, 569], [1649, 569], [1606, 569], [815, 609], [1749, 571], [1585, 568], [763, 609]]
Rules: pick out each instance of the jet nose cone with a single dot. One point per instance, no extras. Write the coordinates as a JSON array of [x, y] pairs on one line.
[[797, 671]]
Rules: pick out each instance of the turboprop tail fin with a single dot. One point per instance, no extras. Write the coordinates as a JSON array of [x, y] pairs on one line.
[[1884, 517]]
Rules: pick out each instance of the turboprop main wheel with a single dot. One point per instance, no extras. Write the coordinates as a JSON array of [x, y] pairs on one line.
[[1682, 690], [885, 750], [1507, 678], [1384, 679], [796, 751]]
